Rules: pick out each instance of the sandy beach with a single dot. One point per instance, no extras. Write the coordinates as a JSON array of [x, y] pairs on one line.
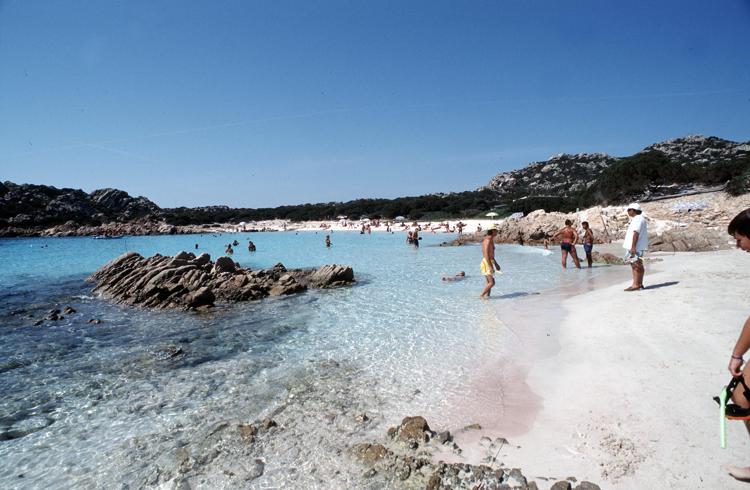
[[620, 385]]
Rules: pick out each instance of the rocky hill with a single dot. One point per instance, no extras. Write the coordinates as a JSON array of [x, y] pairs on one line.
[[562, 175], [670, 167], [38, 206], [700, 150]]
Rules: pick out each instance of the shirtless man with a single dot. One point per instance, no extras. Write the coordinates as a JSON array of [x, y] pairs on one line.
[[588, 242], [569, 237], [739, 229], [489, 264]]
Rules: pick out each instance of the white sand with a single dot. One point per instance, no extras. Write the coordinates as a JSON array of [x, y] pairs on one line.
[[626, 379]]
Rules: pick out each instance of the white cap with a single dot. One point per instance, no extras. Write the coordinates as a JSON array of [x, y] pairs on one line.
[[634, 205]]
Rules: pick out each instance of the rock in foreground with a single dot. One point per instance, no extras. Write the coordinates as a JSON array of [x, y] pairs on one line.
[[190, 282]]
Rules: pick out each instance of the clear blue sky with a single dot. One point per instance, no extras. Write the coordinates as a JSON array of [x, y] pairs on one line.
[[267, 103]]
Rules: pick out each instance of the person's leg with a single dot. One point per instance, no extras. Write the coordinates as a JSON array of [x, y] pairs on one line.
[[574, 254], [488, 286], [638, 274], [565, 259], [589, 259], [633, 286], [741, 472]]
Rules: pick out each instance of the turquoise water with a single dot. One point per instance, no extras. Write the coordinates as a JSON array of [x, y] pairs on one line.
[[95, 405]]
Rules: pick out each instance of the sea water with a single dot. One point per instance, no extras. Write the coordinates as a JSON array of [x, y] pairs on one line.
[[98, 405]]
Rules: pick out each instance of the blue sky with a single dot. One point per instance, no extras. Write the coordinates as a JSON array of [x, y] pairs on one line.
[[266, 103]]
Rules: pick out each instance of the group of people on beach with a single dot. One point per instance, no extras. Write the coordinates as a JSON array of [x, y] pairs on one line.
[[635, 244]]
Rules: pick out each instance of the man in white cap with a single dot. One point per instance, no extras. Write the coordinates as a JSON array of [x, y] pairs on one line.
[[489, 264], [636, 243]]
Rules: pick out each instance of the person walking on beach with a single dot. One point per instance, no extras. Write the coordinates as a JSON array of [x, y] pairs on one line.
[[569, 237], [588, 242], [489, 264], [636, 243], [739, 229]]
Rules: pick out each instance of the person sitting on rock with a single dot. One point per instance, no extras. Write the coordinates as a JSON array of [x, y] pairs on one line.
[[588, 242], [569, 237]]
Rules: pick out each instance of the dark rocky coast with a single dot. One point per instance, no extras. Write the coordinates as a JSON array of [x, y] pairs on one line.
[[190, 282]]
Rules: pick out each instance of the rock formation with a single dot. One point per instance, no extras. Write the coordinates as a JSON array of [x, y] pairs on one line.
[[190, 282], [561, 175], [406, 458]]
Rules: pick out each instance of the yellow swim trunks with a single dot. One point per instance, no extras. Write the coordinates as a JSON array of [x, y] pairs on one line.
[[486, 268]]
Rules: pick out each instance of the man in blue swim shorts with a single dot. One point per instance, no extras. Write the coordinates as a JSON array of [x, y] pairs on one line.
[[588, 242]]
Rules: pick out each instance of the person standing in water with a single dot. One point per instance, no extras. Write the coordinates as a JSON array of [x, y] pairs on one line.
[[489, 264], [569, 237], [588, 242], [328, 241]]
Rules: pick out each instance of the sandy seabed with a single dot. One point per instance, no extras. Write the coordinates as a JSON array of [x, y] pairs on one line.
[[619, 385]]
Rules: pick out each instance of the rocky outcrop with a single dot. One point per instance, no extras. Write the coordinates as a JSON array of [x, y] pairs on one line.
[[27, 206], [190, 282], [699, 149], [693, 238], [405, 460], [561, 175]]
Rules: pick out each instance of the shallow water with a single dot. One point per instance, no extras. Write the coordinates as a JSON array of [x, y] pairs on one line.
[[97, 405]]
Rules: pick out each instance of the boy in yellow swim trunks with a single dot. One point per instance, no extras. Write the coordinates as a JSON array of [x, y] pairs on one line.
[[489, 264]]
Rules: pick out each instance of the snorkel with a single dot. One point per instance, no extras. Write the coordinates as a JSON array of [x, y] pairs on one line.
[[723, 417]]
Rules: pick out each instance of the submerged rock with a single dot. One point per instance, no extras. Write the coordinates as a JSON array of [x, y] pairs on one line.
[[190, 282]]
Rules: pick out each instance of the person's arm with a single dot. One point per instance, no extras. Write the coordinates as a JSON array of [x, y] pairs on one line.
[[742, 345], [635, 240], [575, 236], [491, 253]]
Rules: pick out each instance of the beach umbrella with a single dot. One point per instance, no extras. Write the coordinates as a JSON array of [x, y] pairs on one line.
[[399, 218], [492, 214], [341, 217], [242, 223]]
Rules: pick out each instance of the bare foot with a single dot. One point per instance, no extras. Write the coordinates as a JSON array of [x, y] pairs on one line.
[[738, 472]]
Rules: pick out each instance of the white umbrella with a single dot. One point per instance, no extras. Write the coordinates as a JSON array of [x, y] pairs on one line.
[[399, 218], [341, 217], [492, 214]]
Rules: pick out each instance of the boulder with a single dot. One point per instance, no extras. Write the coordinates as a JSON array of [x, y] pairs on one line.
[[331, 276], [414, 429], [201, 297], [189, 282], [370, 453], [224, 264]]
